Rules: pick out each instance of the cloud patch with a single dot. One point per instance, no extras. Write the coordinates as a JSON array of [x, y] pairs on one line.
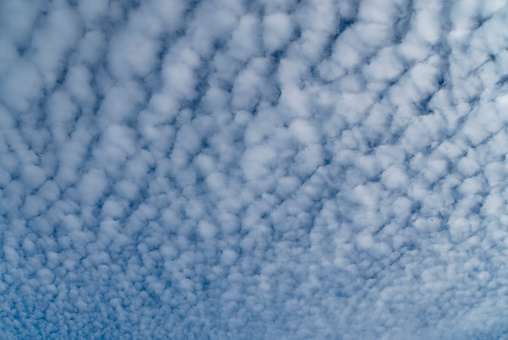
[[266, 169]]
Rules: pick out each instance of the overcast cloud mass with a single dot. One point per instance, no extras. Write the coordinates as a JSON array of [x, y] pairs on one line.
[[267, 169]]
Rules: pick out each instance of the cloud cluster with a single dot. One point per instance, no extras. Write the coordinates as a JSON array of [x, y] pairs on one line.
[[253, 169]]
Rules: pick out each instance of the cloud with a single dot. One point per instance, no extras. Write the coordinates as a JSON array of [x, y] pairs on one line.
[[266, 169], [277, 31]]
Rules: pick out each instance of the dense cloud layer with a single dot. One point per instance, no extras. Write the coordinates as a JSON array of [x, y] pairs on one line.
[[270, 169]]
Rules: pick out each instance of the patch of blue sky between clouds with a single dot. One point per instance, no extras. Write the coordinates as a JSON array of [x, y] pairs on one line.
[[253, 169]]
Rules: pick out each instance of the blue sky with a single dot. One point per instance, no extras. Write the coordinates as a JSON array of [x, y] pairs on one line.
[[268, 169]]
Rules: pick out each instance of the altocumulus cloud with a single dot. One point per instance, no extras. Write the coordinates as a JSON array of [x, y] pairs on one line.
[[268, 169]]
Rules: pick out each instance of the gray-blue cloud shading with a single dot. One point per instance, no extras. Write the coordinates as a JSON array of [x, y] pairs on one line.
[[269, 169]]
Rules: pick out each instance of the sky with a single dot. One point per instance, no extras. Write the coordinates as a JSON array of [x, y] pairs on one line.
[[265, 169]]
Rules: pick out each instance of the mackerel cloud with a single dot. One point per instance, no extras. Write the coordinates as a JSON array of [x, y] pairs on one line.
[[267, 169]]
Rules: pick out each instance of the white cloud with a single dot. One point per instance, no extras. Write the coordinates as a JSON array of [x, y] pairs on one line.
[[132, 53], [277, 31], [58, 34], [256, 161], [246, 38], [427, 22], [266, 169], [21, 85], [92, 186], [304, 131], [385, 65]]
